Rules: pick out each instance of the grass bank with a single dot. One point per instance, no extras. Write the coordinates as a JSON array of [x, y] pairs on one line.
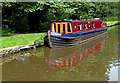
[[30, 38], [110, 23], [20, 40]]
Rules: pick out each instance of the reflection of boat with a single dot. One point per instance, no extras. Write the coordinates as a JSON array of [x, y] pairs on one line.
[[72, 32], [66, 57]]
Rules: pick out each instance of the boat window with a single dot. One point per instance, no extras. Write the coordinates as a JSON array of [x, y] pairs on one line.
[[63, 28], [93, 25], [54, 28], [58, 28], [69, 27], [85, 26], [101, 24], [79, 26]]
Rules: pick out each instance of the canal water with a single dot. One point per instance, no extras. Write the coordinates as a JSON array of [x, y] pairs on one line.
[[95, 60]]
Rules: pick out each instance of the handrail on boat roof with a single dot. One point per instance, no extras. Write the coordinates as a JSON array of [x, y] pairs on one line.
[[76, 20]]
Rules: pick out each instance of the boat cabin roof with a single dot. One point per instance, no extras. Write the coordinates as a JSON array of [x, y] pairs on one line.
[[75, 20]]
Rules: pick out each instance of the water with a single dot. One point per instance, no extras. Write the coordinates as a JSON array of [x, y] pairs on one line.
[[96, 60]]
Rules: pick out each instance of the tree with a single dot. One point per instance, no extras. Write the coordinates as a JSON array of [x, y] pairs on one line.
[[27, 17]]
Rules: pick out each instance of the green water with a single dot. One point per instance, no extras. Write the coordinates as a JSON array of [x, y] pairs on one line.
[[96, 60]]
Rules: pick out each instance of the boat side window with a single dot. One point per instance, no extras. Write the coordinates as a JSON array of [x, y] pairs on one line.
[[79, 26], [101, 24], [58, 28], [69, 27], [85, 26], [93, 25]]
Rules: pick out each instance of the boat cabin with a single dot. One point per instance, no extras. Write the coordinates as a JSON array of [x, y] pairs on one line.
[[71, 26]]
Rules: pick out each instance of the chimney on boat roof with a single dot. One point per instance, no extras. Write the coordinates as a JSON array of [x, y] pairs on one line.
[[80, 17], [97, 18]]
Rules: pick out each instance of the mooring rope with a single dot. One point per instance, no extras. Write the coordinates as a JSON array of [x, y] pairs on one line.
[[39, 39]]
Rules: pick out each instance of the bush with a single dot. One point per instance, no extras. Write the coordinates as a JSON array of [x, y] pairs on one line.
[[7, 31]]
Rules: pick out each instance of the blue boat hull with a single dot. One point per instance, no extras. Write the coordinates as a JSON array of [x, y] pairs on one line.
[[59, 40]]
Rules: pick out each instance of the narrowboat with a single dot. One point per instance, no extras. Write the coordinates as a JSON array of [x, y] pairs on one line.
[[72, 32]]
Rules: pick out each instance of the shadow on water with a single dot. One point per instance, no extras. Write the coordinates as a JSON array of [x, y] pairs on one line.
[[91, 61]]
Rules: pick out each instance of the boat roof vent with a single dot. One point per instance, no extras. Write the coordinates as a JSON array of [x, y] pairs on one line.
[[97, 18], [80, 17]]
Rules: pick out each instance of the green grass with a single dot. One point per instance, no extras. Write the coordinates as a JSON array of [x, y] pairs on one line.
[[109, 23], [20, 40]]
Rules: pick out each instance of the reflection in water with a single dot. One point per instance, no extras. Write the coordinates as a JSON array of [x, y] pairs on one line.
[[24, 57], [76, 55], [113, 72], [96, 60]]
